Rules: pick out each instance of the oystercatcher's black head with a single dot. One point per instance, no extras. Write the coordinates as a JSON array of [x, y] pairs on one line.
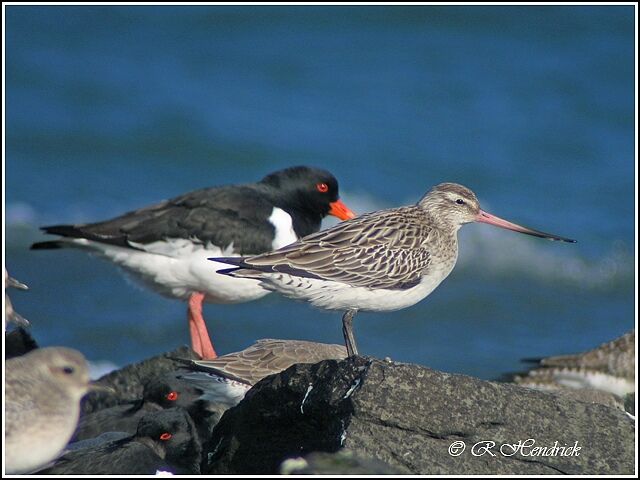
[[311, 191], [169, 390], [174, 437]]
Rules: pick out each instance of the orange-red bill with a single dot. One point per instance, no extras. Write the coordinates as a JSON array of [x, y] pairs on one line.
[[485, 217], [340, 210]]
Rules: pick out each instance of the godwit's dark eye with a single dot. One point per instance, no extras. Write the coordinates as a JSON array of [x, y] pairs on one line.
[[165, 436], [68, 370], [322, 187], [460, 201], [172, 396]]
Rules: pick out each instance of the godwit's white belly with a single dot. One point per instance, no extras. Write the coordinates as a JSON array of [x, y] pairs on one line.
[[339, 296]]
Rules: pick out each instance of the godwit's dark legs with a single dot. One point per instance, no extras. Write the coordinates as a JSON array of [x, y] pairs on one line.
[[347, 331]]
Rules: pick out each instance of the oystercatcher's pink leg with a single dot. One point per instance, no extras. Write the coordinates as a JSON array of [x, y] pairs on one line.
[[200, 341]]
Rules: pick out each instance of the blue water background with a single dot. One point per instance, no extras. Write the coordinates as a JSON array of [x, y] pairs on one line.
[[112, 108]]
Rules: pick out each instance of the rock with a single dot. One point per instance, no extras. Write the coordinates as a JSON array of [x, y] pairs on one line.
[[342, 462], [18, 342], [591, 395], [128, 382], [411, 418], [630, 403]]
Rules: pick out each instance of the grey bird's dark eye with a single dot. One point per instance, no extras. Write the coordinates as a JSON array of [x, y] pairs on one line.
[[460, 201], [68, 370]]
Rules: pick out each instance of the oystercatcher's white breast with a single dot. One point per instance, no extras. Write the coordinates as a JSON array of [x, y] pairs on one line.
[[178, 267]]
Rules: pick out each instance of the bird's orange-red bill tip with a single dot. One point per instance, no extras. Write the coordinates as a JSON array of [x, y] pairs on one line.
[[340, 210]]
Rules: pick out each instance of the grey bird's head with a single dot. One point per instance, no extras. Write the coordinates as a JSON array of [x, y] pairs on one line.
[[65, 366]]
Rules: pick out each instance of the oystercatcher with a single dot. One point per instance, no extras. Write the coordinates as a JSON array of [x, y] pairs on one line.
[[160, 393], [166, 245], [165, 441], [380, 261]]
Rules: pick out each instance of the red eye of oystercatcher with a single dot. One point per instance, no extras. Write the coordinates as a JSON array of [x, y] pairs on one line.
[[165, 436], [322, 187], [172, 396]]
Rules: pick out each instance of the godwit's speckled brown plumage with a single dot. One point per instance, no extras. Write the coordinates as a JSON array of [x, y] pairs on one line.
[[380, 261]]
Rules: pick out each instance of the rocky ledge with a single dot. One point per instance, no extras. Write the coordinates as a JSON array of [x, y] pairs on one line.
[[414, 420]]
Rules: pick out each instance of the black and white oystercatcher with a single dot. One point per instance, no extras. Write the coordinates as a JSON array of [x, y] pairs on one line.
[[380, 261], [166, 245]]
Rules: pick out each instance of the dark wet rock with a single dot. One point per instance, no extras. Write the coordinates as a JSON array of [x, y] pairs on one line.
[[591, 396], [408, 417], [342, 462], [18, 342], [128, 383], [630, 403]]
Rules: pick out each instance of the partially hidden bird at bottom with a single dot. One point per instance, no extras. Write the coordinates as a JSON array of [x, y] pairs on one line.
[[226, 379], [165, 442]]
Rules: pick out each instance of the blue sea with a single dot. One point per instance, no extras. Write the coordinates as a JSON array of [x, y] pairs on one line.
[[111, 108]]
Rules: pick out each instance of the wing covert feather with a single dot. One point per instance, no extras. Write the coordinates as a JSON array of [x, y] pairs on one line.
[[385, 250]]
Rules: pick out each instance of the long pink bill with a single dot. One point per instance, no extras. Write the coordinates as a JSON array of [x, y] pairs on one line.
[[485, 217]]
